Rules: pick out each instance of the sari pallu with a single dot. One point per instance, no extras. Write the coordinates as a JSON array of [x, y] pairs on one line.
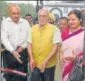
[[71, 42]]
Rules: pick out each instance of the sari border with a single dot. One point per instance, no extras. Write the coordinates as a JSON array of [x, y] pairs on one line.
[[73, 34]]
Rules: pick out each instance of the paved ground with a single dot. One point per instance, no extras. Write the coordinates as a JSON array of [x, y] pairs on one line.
[[2, 78]]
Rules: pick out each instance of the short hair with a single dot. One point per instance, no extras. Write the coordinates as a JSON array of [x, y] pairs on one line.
[[28, 15], [77, 13], [62, 18], [13, 5], [43, 9]]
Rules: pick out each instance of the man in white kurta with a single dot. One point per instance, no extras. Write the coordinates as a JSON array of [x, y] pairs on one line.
[[14, 33]]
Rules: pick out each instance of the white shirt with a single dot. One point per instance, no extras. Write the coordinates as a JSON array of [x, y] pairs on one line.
[[14, 35], [57, 36]]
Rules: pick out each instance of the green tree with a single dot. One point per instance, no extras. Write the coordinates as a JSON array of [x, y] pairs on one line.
[[25, 8], [4, 8]]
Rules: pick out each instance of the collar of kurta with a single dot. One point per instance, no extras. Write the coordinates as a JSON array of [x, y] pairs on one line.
[[10, 20], [43, 27]]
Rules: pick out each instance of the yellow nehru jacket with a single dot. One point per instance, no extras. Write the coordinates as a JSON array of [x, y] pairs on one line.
[[42, 40]]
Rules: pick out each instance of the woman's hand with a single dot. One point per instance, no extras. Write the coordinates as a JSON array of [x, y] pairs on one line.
[[62, 59], [73, 57]]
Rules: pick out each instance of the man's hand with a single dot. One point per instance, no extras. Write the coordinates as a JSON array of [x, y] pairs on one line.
[[32, 64], [17, 56], [44, 66], [20, 49]]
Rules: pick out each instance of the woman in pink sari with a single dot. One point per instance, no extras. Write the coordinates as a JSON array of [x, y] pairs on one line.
[[72, 44]]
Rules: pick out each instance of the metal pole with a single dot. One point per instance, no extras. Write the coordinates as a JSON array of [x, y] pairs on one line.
[[0, 38], [41, 2], [28, 6], [37, 6]]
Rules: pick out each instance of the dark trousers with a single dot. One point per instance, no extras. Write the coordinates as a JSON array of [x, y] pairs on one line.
[[10, 62], [48, 74], [84, 72]]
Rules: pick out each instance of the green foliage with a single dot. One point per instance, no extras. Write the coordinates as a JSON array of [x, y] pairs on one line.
[[4, 8], [25, 8]]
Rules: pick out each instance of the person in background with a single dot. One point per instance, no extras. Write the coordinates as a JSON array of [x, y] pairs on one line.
[[63, 23], [83, 15], [57, 19], [35, 20], [70, 48], [29, 18], [14, 34], [44, 48], [57, 75], [51, 18]]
